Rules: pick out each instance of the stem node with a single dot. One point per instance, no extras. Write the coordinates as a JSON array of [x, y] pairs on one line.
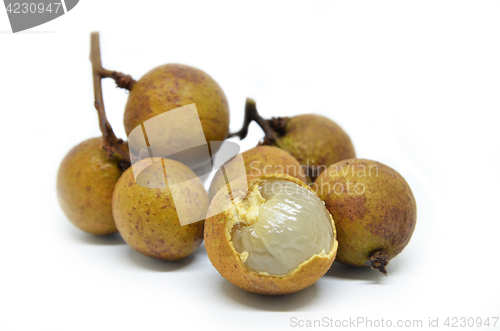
[[378, 261]]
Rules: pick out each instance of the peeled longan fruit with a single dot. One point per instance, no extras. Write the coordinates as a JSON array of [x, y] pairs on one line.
[[258, 161], [171, 86], [276, 239], [85, 183], [374, 210], [147, 209], [315, 141]]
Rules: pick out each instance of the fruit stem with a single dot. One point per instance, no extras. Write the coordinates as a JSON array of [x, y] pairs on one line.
[[122, 80], [378, 261], [112, 144], [278, 124], [251, 114]]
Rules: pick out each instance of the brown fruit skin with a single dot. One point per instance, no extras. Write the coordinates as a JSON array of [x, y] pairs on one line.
[[224, 258], [85, 183], [256, 160], [383, 218], [315, 140], [147, 218], [172, 86]]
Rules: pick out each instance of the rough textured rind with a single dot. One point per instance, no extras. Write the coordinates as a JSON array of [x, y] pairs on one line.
[[147, 218], [315, 140], [85, 184], [260, 159], [225, 259], [383, 218], [172, 86]]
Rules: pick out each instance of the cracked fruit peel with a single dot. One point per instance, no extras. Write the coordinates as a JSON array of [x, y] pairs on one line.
[[85, 182], [374, 210], [277, 238], [146, 216], [258, 161]]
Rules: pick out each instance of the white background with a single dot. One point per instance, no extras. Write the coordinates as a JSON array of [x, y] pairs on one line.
[[416, 84]]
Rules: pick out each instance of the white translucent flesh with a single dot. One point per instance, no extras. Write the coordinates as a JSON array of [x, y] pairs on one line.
[[293, 225]]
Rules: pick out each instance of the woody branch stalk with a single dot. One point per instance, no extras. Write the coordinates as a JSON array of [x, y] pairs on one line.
[[251, 114], [112, 144]]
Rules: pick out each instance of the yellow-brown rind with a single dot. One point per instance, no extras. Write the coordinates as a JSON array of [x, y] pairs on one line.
[[147, 218], [316, 141], [85, 182], [171, 86], [373, 207]]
